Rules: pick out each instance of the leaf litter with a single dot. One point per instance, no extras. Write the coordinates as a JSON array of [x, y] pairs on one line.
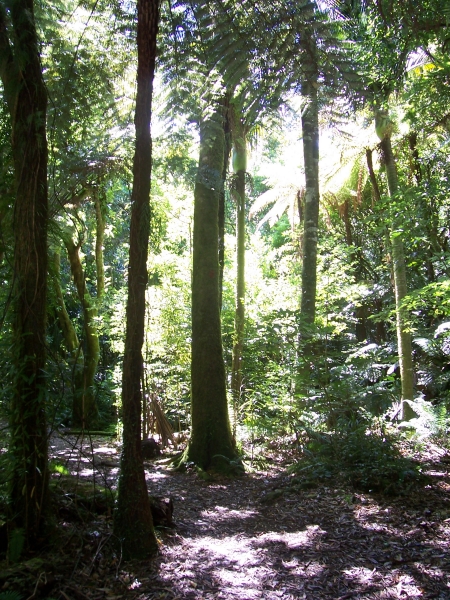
[[249, 538]]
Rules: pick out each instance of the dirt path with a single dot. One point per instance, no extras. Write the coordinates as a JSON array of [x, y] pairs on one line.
[[324, 543], [243, 539]]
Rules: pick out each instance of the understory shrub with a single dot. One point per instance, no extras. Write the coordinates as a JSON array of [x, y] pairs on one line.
[[369, 461]]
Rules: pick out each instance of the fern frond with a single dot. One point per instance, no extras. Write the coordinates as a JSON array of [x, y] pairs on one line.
[[10, 595]]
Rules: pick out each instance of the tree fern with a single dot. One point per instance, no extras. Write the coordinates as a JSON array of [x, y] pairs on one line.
[[10, 595]]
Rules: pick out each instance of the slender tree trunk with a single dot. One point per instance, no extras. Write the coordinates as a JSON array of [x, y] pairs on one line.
[[310, 128], [133, 524], [211, 434], [221, 221], [68, 330], [384, 127], [310, 131], [26, 96], [238, 192], [428, 209], [85, 410], [2, 231], [75, 356], [373, 178], [360, 311], [415, 158], [99, 242]]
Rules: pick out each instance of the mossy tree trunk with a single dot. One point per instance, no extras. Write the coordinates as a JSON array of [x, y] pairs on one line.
[[239, 132], [384, 128], [376, 194], [310, 134], [310, 129], [84, 360], [133, 524], [75, 356], [26, 96], [211, 433], [85, 410], [99, 242]]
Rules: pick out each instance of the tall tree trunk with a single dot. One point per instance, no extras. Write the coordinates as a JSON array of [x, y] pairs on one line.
[[360, 311], [211, 433], [221, 219], [133, 524], [26, 96], [238, 192], [99, 242], [384, 128], [373, 178], [85, 410], [310, 129], [427, 205], [310, 132], [75, 356], [68, 330]]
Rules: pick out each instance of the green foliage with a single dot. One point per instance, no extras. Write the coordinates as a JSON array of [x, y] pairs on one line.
[[10, 595], [56, 467], [431, 421], [433, 375], [370, 461], [16, 543], [350, 378], [279, 233]]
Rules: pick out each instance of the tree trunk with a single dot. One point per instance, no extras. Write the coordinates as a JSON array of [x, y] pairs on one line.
[[360, 311], [26, 96], [133, 524], [384, 127], [75, 356], [429, 213], [211, 434], [221, 219], [310, 128], [310, 131], [68, 330], [238, 192], [373, 179], [85, 410], [99, 242]]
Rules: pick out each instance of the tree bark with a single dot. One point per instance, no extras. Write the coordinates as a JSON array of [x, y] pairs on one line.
[[133, 524], [383, 126], [75, 356], [211, 433], [221, 218], [238, 192], [310, 131], [26, 96], [85, 410], [373, 178], [99, 242], [310, 128], [71, 341]]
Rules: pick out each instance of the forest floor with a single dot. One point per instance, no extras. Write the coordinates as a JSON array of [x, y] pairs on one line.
[[251, 537]]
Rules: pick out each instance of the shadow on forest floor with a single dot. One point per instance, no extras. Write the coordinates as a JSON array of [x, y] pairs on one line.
[[234, 539]]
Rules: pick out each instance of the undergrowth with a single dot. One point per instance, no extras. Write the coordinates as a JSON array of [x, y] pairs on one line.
[[369, 461]]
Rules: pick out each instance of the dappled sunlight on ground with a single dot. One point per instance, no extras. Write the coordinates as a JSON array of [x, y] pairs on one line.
[[254, 538], [155, 476], [242, 565], [313, 545], [221, 513], [295, 539]]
